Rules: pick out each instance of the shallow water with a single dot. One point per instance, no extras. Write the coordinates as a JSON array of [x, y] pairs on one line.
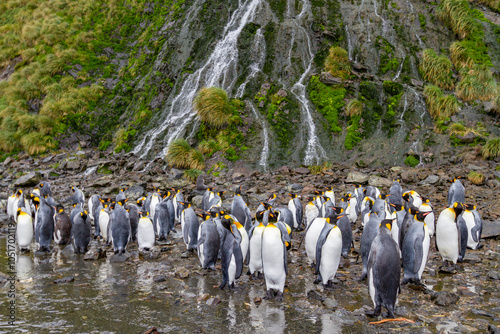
[[127, 297]]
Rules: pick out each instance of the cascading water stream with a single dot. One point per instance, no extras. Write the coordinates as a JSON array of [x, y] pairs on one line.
[[416, 35], [219, 70], [259, 49], [384, 23], [314, 152], [264, 156], [349, 45]]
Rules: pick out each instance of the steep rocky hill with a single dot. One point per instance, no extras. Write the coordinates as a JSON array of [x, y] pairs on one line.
[[122, 76]]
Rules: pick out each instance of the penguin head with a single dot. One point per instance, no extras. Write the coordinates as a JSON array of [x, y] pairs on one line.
[[329, 188], [84, 215], [338, 210], [41, 185], [59, 208], [73, 189], [220, 193], [122, 202], [384, 196], [458, 208], [469, 207], [18, 212], [406, 196], [420, 216], [273, 216], [19, 192], [386, 223], [396, 207], [318, 193], [266, 205], [259, 215]]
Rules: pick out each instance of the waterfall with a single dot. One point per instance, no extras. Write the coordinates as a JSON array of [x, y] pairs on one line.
[[349, 46], [220, 69], [420, 42], [258, 49], [264, 156], [314, 152], [384, 23]]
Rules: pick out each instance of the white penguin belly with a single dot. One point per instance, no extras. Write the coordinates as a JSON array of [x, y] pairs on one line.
[[273, 259], [24, 231], [351, 210], [10, 206], [145, 233], [425, 251], [291, 207], [103, 224], [395, 233], [201, 254], [57, 236], [244, 243], [470, 222], [312, 236], [429, 221], [330, 255], [311, 214], [447, 238], [232, 270], [371, 286], [255, 264]]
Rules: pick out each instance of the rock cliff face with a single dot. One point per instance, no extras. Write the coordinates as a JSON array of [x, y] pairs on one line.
[[270, 54]]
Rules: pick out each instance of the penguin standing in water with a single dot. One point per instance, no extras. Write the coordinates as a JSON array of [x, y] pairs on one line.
[[275, 240], [189, 226], [62, 227], [24, 230], [164, 217], [295, 207], [145, 232], [344, 225], [208, 243], [429, 218], [155, 200], [311, 211], [415, 249], [77, 208], [120, 228], [456, 193], [81, 232], [328, 252], [384, 266], [448, 234], [45, 225], [104, 218], [231, 254], [370, 232], [474, 225], [314, 231], [78, 197], [93, 203], [178, 197], [10, 205], [255, 245], [133, 213]]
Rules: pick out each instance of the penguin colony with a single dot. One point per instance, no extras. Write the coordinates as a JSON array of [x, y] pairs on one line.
[[397, 230]]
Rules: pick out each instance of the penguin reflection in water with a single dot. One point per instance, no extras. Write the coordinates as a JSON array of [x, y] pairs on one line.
[[275, 242], [384, 267]]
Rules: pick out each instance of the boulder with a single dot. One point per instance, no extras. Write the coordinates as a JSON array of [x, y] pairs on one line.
[[431, 179], [29, 180], [328, 79], [73, 165], [377, 181], [175, 174], [302, 170], [134, 192], [490, 229], [357, 177]]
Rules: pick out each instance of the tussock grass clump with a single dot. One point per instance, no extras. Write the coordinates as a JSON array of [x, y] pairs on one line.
[[208, 147], [320, 169], [192, 174], [455, 14], [436, 69], [411, 161], [476, 178], [37, 143], [477, 84], [491, 149], [178, 153], [354, 108], [196, 159], [440, 105], [337, 63], [213, 107]]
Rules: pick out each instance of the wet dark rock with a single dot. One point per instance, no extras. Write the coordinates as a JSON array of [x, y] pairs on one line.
[[313, 294], [63, 280], [176, 174], [95, 254], [160, 278], [378, 181], [294, 187], [119, 258], [472, 258], [257, 300], [29, 180], [182, 273], [8, 161], [482, 313], [203, 297], [134, 192], [213, 301], [328, 79], [490, 229], [73, 165], [445, 298], [110, 280], [431, 179], [302, 170]]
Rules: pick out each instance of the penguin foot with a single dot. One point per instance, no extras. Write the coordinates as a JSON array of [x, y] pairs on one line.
[[362, 277], [260, 275], [269, 295], [375, 313], [389, 314], [317, 280], [279, 296], [328, 286], [222, 286], [231, 286]]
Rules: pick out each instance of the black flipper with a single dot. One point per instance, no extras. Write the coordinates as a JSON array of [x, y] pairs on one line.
[[319, 245]]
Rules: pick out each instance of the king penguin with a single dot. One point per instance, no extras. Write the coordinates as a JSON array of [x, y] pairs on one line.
[[45, 225], [104, 217], [231, 255], [120, 228], [78, 196], [328, 252], [448, 234], [208, 243], [456, 193], [206, 198], [133, 213], [178, 197], [24, 230], [370, 232], [255, 245], [81, 233], [384, 266], [274, 258], [189, 226], [238, 207], [295, 207], [164, 217], [44, 189], [415, 249], [145, 232], [474, 225], [62, 227], [330, 194], [10, 205], [311, 211]]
